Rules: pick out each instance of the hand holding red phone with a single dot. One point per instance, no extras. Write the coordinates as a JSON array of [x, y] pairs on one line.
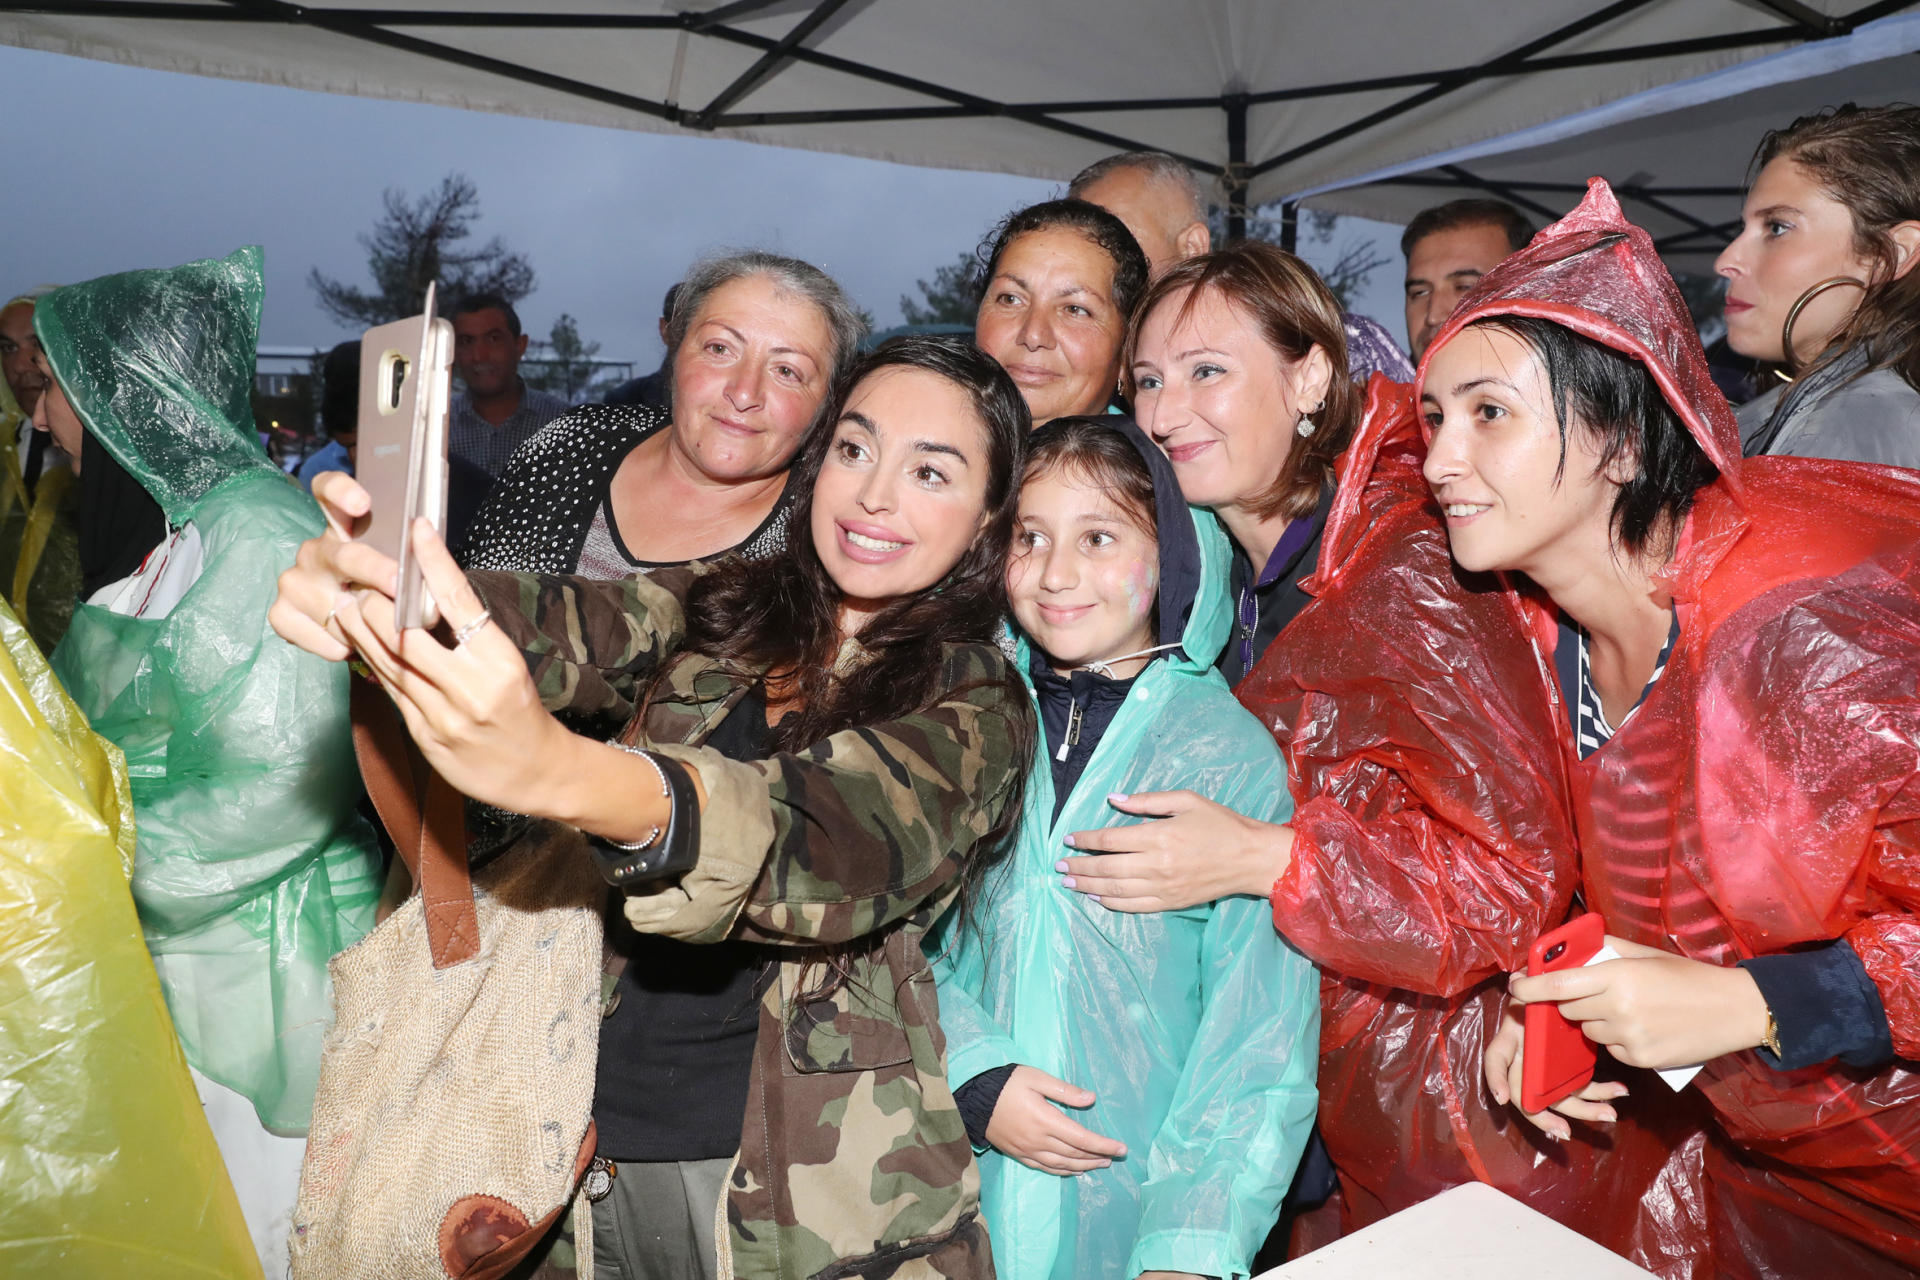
[[1651, 1008], [1543, 1059]]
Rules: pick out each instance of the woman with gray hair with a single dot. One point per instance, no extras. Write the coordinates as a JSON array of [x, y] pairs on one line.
[[754, 341]]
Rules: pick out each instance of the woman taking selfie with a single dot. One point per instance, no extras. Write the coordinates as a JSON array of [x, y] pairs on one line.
[[1062, 278], [1822, 284], [756, 341], [854, 745]]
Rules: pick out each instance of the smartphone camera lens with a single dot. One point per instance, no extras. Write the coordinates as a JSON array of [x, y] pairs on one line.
[[1555, 951], [398, 380]]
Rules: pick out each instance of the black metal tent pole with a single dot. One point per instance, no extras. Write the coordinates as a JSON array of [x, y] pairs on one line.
[[1512, 195], [1234, 178], [1457, 178], [768, 65]]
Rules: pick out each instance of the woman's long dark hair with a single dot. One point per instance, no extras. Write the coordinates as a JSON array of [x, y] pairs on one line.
[[782, 615]]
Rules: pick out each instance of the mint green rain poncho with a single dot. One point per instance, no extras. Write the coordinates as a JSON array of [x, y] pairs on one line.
[[252, 867], [1198, 1030]]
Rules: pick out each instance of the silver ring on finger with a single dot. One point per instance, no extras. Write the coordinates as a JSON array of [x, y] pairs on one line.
[[328, 620], [472, 626]]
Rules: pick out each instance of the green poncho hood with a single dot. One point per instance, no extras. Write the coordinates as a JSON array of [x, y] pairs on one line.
[[159, 365]]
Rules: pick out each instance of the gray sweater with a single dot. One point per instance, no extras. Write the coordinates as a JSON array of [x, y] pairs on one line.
[[1873, 418]]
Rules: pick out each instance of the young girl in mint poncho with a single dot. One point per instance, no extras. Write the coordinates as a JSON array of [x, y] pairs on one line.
[[1139, 1086]]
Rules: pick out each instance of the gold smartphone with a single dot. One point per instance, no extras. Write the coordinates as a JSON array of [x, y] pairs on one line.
[[405, 372]]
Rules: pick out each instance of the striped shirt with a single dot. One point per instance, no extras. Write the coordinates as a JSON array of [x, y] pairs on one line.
[[1591, 729]]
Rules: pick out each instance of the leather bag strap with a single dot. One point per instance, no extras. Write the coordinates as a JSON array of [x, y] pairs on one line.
[[425, 817]]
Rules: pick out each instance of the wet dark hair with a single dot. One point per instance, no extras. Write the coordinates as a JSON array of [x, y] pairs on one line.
[[1615, 397], [1088, 447], [474, 303], [1868, 159], [1099, 227], [1471, 212]]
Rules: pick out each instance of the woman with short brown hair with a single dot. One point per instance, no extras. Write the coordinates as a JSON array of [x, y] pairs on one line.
[[1237, 365]]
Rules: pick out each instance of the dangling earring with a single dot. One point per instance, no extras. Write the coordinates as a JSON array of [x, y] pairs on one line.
[[1306, 426]]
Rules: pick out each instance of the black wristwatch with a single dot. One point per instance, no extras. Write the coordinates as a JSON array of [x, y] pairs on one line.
[[664, 854]]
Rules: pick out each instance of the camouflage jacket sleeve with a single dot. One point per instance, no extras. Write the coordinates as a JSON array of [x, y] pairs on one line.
[[856, 832], [590, 644]]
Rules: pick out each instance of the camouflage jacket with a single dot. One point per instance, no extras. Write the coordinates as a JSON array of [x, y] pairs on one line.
[[853, 1159]]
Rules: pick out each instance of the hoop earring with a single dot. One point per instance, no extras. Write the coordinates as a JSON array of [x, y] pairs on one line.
[[1799, 305]]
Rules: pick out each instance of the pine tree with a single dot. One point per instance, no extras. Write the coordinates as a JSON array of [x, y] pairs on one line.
[[952, 297], [416, 242]]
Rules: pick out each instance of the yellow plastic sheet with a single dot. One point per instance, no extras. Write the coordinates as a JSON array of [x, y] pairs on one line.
[[107, 1167]]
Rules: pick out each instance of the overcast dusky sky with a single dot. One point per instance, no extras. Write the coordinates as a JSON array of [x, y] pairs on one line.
[[118, 167]]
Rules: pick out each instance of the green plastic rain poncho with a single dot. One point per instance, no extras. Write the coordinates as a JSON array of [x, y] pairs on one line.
[[253, 868], [1198, 1030], [105, 1157]]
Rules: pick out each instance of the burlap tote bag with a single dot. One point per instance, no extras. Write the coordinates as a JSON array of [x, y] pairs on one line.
[[453, 1120]]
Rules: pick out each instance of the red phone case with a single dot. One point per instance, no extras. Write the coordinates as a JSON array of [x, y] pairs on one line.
[[1559, 1058]]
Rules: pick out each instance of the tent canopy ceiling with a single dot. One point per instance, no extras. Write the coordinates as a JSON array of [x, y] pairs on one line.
[[1679, 161], [1272, 98]]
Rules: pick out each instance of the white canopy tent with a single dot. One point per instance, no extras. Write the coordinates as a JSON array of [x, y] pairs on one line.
[[1677, 154], [1273, 97]]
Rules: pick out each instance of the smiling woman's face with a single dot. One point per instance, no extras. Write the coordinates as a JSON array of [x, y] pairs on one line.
[[903, 489], [1049, 320], [748, 378], [1220, 402], [1495, 466]]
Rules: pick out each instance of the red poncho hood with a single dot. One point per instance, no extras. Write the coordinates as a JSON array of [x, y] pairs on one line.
[[1600, 276]]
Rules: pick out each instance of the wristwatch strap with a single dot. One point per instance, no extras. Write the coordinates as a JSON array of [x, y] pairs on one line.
[[665, 855]]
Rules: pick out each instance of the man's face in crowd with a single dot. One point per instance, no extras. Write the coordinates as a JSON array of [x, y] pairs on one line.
[[17, 347], [486, 352], [1155, 211], [1443, 268]]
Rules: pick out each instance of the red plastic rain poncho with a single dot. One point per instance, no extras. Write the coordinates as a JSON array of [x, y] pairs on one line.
[[1433, 842], [1780, 755]]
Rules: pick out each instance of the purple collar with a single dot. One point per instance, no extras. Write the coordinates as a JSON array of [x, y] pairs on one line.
[[1247, 608]]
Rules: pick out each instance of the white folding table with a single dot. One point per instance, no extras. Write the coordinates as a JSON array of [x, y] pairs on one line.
[[1470, 1232]]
